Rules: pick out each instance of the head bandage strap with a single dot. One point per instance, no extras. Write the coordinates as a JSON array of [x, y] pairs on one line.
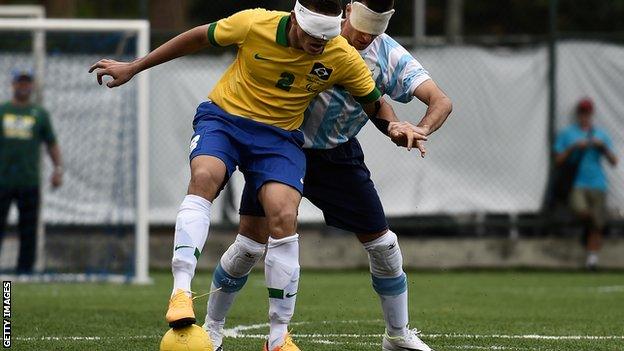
[[368, 21], [316, 24]]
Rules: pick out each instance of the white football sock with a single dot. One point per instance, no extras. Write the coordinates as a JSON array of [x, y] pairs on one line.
[[191, 232], [389, 281], [231, 275], [282, 279], [395, 312]]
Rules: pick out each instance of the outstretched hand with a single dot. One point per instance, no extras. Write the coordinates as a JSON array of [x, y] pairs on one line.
[[121, 72], [407, 135]]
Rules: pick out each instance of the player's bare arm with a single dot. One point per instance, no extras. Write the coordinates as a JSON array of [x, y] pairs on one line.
[[612, 158], [602, 147], [184, 44], [54, 151], [439, 106]]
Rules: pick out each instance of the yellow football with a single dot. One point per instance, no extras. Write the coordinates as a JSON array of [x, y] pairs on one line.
[[191, 338]]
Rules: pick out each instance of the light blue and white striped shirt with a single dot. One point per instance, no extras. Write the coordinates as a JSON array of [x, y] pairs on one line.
[[334, 117]]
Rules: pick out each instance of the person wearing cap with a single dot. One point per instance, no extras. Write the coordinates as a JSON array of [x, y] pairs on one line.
[[583, 146], [252, 122], [24, 126], [337, 180]]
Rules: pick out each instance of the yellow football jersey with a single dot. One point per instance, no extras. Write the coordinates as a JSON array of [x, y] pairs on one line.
[[273, 83]]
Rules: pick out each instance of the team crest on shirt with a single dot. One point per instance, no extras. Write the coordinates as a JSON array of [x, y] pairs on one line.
[[18, 127], [321, 71]]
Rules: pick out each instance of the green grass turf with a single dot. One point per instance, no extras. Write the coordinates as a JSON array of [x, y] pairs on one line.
[[487, 304]]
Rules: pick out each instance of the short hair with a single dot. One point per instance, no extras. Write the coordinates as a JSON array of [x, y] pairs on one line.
[[378, 6], [326, 7]]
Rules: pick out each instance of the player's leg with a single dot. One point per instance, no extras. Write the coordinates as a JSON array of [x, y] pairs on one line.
[[193, 219], [213, 159], [390, 283], [275, 166], [231, 273], [280, 203], [28, 206], [338, 182], [191, 231]]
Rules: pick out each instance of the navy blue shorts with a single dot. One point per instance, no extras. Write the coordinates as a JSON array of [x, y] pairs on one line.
[[337, 182], [263, 153]]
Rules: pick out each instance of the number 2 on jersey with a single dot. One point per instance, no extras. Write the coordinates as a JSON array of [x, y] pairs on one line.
[[286, 81]]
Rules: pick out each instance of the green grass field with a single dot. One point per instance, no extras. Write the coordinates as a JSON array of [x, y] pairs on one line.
[[339, 311]]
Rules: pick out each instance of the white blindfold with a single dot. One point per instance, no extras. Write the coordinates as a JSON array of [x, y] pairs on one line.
[[317, 25], [368, 21]]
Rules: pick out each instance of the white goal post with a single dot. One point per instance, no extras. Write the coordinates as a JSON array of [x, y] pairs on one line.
[[142, 30]]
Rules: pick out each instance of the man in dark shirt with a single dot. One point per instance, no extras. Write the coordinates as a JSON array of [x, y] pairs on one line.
[[24, 126]]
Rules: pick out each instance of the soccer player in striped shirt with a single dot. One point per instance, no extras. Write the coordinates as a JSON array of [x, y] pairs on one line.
[[337, 180], [251, 122]]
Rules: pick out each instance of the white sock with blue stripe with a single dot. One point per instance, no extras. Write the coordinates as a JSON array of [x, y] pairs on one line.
[[231, 275], [389, 281]]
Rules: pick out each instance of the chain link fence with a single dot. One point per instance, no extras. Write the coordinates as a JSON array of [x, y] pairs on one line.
[[487, 167], [490, 161]]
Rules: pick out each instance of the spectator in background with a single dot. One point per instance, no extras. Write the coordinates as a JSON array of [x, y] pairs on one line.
[[579, 150], [24, 127]]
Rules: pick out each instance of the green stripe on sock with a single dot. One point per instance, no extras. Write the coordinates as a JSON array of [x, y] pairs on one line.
[[197, 253], [276, 293]]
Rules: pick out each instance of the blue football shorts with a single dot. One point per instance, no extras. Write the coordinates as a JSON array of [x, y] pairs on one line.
[[263, 153], [337, 182]]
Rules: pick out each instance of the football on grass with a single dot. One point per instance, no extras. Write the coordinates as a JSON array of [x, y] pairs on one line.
[[191, 338]]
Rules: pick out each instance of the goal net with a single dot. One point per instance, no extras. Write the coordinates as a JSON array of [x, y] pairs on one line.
[[95, 225]]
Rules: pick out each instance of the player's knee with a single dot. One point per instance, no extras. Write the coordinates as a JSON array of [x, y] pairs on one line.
[[282, 221], [205, 181], [384, 253], [240, 258], [254, 228]]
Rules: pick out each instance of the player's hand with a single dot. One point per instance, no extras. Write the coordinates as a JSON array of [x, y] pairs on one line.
[[420, 145], [406, 135], [57, 178], [581, 144], [598, 144], [121, 72]]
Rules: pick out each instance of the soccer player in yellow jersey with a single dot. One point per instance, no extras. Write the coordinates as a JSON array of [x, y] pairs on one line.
[[251, 122]]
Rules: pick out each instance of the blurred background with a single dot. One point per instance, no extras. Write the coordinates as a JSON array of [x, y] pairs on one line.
[[514, 69]]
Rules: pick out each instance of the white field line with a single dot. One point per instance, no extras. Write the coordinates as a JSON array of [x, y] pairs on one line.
[[462, 347], [493, 347], [444, 336], [610, 289], [262, 337], [526, 336], [236, 332], [337, 336]]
